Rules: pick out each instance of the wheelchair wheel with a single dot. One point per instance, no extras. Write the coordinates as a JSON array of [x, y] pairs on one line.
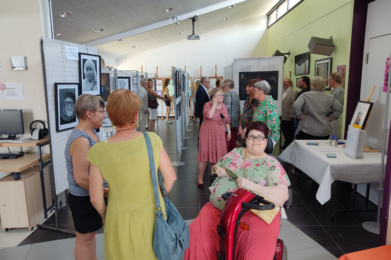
[[285, 253]]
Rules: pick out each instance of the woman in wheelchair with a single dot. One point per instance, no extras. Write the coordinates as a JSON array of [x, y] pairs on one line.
[[251, 169]]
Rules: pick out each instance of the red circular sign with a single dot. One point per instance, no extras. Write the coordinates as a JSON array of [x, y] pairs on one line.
[[2, 86]]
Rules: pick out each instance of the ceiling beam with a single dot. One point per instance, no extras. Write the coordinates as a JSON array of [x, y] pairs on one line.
[[166, 22]]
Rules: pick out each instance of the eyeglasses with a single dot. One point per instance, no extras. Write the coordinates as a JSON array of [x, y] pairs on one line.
[[102, 111], [219, 95], [258, 138]]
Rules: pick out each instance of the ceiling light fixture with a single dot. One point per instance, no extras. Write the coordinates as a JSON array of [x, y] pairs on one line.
[[65, 14], [99, 30], [120, 40], [231, 6], [135, 46], [58, 34], [168, 10], [225, 19], [181, 33]]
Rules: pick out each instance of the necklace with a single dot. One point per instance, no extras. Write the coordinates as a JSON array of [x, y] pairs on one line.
[[124, 130]]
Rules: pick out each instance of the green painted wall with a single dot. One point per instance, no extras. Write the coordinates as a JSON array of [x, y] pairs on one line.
[[319, 18]]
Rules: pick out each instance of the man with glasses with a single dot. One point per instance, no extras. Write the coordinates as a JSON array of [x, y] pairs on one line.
[[202, 97], [67, 114]]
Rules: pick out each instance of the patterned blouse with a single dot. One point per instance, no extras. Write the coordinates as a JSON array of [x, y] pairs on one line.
[[266, 171], [338, 94], [248, 111], [232, 102], [267, 112]]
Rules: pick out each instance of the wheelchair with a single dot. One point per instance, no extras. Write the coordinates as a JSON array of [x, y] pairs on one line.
[[239, 203]]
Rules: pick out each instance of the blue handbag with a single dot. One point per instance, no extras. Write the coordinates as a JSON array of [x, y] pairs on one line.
[[172, 237]]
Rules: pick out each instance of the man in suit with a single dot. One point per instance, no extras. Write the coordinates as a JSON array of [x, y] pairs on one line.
[[202, 97], [287, 124]]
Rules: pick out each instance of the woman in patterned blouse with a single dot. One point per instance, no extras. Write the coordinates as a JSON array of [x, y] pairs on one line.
[[248, 110], [256, 171], [335, 81], [267, 110], [232, 102]]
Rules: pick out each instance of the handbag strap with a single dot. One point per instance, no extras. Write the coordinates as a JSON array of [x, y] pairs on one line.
[[153, 174]]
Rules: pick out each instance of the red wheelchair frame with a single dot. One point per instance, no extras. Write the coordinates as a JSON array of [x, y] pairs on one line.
[[238, 204]]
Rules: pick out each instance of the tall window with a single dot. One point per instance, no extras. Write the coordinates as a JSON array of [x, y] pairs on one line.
[[280, 9]]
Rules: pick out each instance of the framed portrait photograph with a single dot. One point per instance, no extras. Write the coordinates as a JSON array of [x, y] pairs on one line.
[[89, 71], [323, 69], [105, 88], [270, 76], [123, 83], [65, 98], [302, 64], [297, 82], [361, 114]]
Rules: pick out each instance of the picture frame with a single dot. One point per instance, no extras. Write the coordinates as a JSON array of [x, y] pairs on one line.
[[89, 69], [323, 69], [297, 82], [302, 64], [122, 83], [342, 70], [178, 83], [66, 95], [270, 76], [361, 114]]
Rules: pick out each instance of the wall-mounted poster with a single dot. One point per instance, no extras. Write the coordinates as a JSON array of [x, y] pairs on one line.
[[105, 86], [270, 76], [323, 69], [89, 69], [178, 85], [361, 114], [342, 70], [386, 76], [66, 95], [123, 83], [302, 64]]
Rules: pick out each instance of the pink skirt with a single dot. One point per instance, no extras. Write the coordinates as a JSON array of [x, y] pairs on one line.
[[258, 243]]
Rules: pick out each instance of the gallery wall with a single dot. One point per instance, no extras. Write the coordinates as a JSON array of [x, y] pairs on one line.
[[319, 19], [220, 47]]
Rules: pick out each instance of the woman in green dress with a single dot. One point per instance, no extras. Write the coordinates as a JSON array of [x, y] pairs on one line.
[[122, 160]]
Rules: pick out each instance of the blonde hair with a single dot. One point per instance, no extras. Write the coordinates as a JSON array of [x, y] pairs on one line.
[[87, 102], [336, 77], [318, 84], [122, 107], [213, 92]]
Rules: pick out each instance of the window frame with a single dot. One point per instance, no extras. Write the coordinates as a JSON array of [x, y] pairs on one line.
[[275, 8]]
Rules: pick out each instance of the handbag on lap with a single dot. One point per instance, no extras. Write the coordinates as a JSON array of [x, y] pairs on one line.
[[172, 237]]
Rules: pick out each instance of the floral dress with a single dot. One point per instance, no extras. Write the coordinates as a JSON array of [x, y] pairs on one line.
[[267, 112], [266, 171]]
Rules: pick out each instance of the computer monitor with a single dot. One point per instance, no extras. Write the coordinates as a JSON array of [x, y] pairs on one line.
[[11, 123]]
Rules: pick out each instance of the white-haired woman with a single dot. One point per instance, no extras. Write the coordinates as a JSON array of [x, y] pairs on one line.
[[267, 110], [89, 81], [316, 109], [90, 111]]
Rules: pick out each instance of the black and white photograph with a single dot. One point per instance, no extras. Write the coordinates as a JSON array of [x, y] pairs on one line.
[[66, 95], [270, 76], [106, 121], [123, 83], [105, 86], [178, 84], [89, 71], [323, 69], [302, 64]]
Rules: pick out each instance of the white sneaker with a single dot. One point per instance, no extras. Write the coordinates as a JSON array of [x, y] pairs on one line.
[[168, 122]]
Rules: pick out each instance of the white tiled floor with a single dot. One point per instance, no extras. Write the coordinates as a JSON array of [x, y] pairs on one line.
[[13, 237], [300, 247]]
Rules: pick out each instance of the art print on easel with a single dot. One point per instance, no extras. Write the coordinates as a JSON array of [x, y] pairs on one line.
[[89, 74], [65, 98], [123, 83], [361, 114]]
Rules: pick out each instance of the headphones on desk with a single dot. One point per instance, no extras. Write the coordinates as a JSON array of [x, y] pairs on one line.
[[38, 130]]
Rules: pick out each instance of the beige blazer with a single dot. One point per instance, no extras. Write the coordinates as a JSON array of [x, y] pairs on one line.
[[287, 103]]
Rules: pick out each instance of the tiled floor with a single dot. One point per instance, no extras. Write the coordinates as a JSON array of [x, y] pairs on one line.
[[308, 234]]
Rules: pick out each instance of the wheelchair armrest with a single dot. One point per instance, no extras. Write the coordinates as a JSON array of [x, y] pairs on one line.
[[288, 203], [225, 196]]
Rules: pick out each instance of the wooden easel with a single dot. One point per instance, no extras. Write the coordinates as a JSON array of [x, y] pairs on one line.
[[368, 149], [215, 76], [159, 100]]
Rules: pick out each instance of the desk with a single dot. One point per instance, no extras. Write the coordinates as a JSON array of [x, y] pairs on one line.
[[325, 170], [27, 160]]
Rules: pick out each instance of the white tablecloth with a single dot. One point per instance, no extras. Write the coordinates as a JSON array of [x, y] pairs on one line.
[[325, 170]]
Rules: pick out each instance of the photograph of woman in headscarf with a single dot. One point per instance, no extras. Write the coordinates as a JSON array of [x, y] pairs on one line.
[[90, 78]]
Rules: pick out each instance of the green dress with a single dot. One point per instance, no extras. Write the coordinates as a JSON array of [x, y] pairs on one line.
[[130, 215], [267, 112], [266, 171]]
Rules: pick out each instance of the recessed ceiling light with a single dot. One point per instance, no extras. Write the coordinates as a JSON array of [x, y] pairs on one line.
[[231, 6], [225, 19], [168, 10], [99, 30], [120, 40], [176, 23], [65, 14], [135, 46], [181, 33], [58, 34]]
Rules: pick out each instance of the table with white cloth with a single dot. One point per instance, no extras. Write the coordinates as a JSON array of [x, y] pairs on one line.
[[325, 170]]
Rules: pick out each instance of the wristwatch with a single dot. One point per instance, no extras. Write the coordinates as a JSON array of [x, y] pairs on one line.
[[229, 131]]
